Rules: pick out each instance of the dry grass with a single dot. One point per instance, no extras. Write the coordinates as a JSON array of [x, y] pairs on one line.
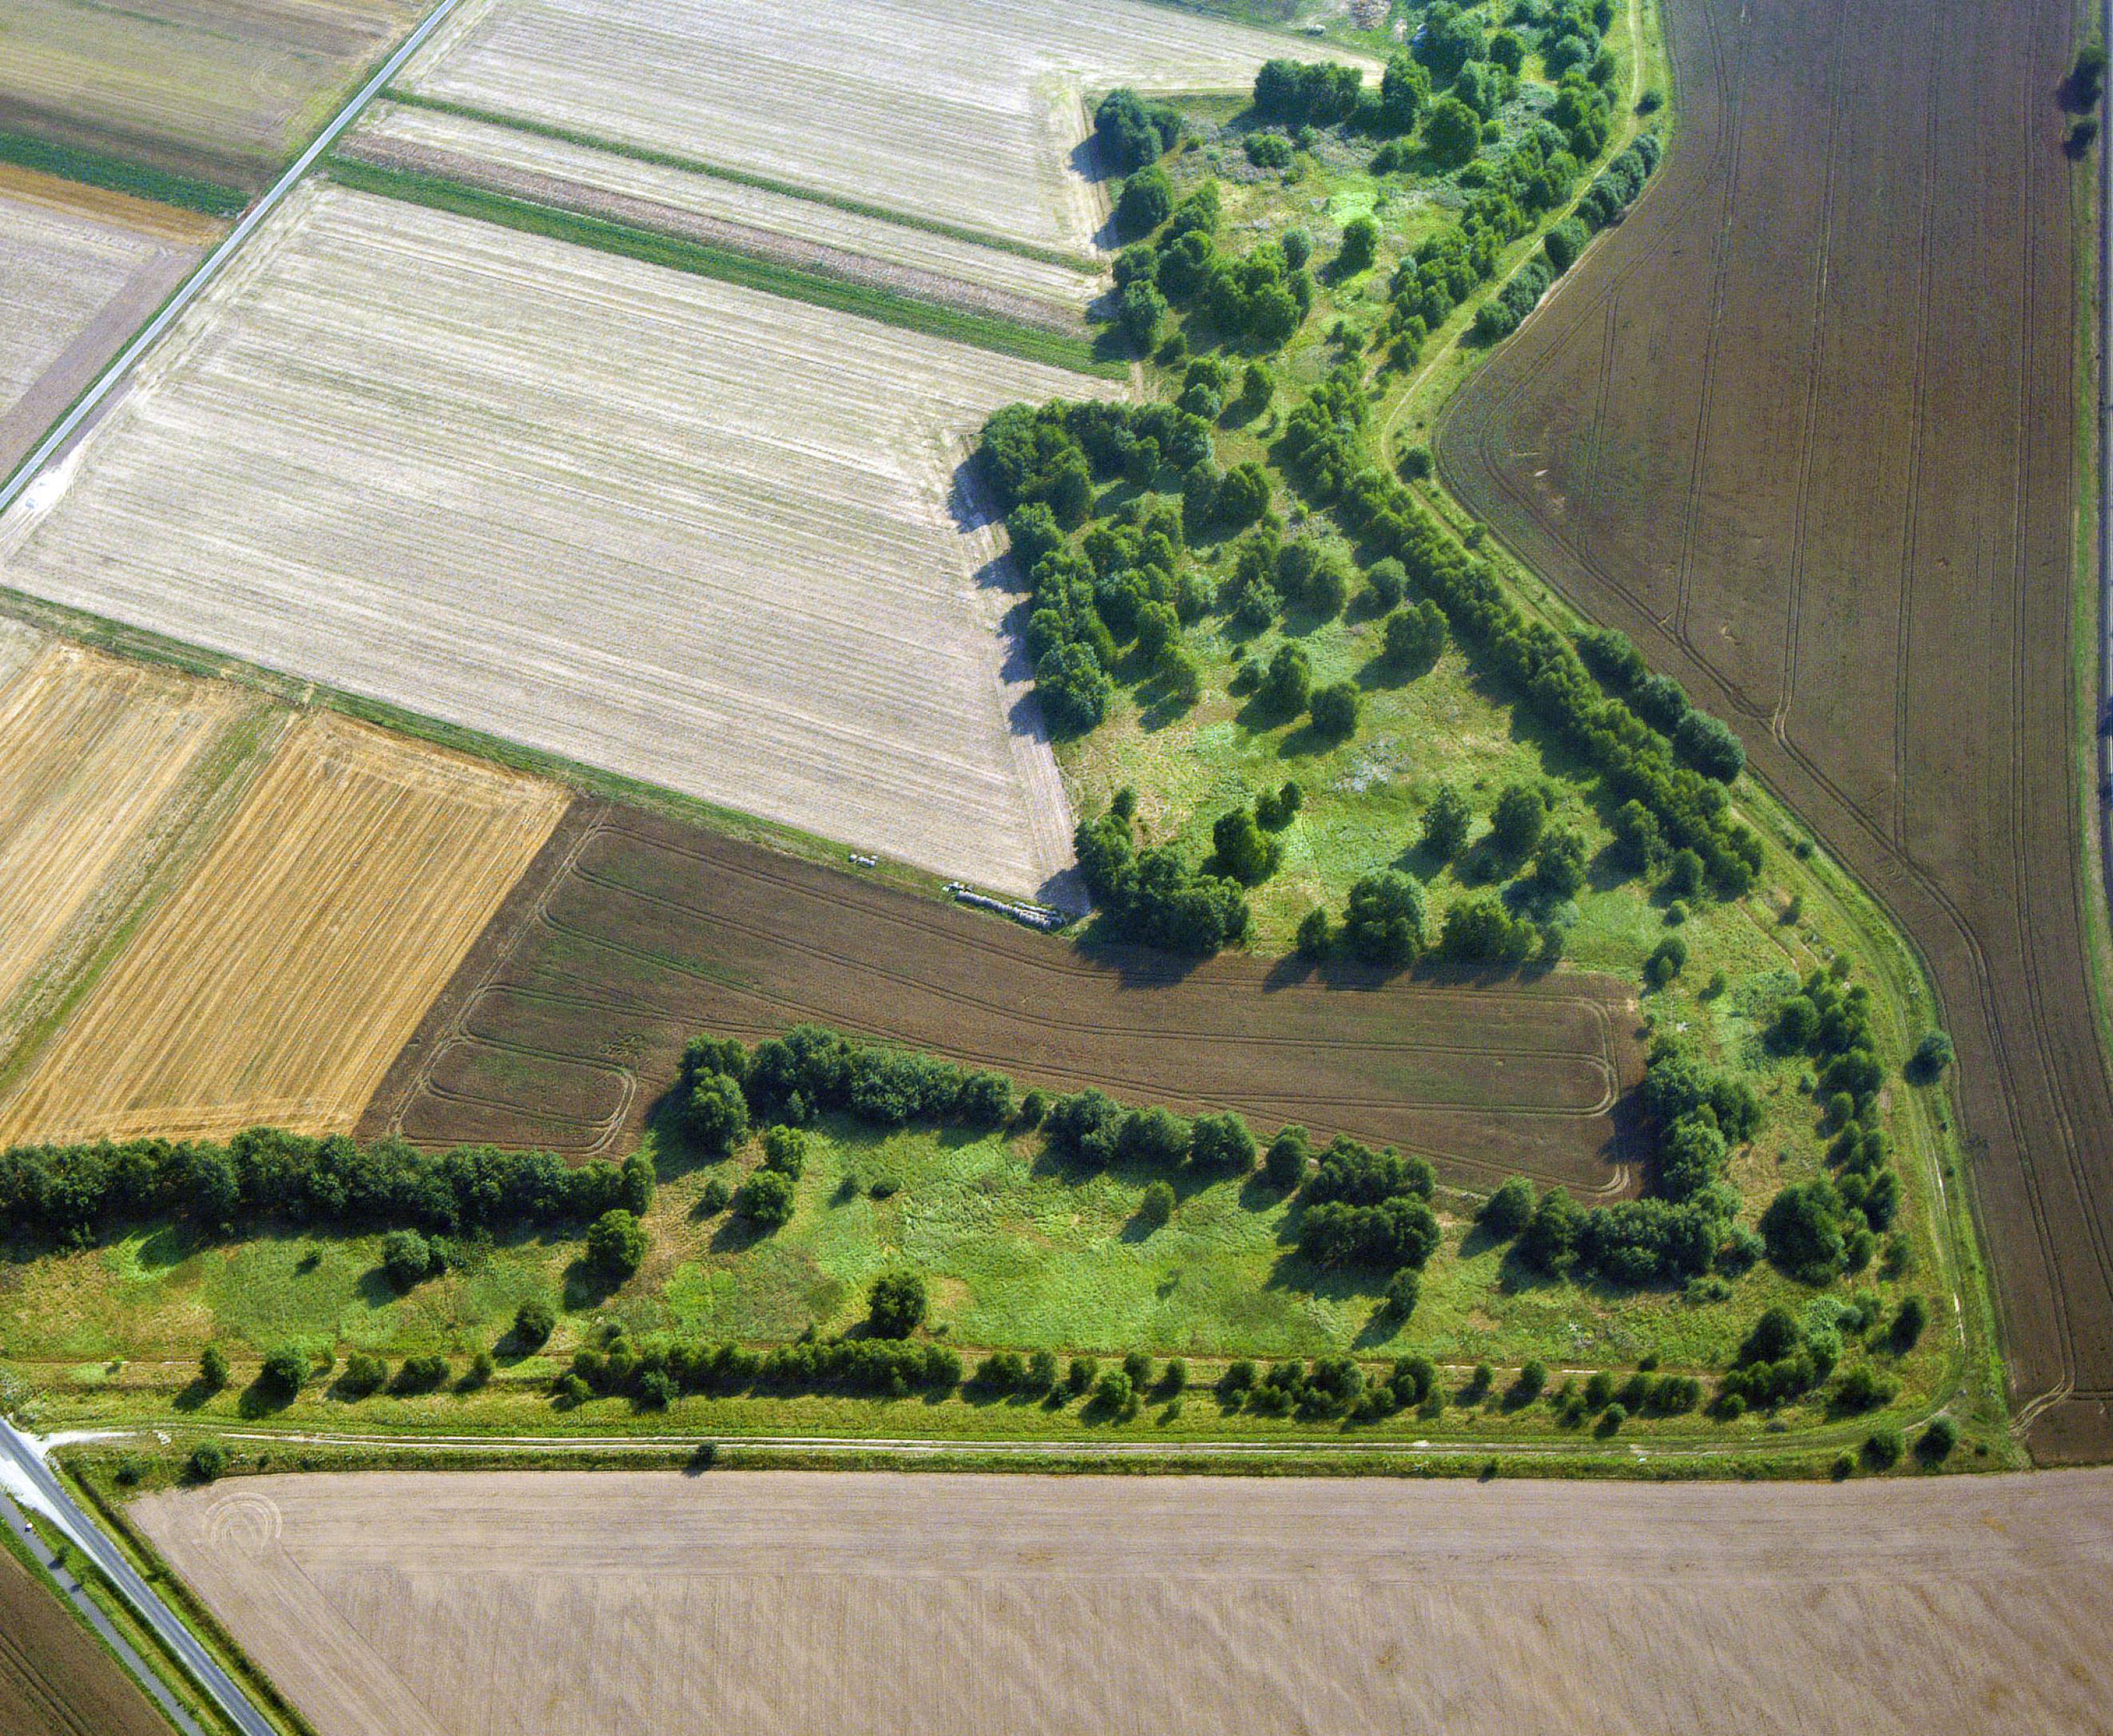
[[953, 110], [199, 84], [478, 1604], [105, 768], [80, 271], [278, 981], [914, 252], [678, 529]]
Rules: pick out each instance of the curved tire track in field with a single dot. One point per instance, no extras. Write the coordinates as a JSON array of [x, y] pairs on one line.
[[1979, 819]]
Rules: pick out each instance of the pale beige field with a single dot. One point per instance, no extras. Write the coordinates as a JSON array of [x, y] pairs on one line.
[[79, 271], [966, 112], [677, 530], [277, 981], [108, 771], [1000, 273], [611, 1603], [222, 88]]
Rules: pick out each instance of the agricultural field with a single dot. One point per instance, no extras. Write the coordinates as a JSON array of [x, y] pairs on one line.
[[221, 92], [278, 981], [80, 271], [1776, 430], [390, 1604], [939, 110], [752, 577], [667, 199], [649, 931], [55, 1680]]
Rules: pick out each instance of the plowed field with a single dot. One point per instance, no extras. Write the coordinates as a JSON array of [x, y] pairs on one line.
[[224, 89], [79, 271], [55, 1680], [646, 932], [1804, 427], [606, 1603], [276, 983]]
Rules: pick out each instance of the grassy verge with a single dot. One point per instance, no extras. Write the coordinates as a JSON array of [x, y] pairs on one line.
[[742, 178], [120, 175]]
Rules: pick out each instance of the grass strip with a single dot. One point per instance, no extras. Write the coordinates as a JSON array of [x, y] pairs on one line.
[[1051, 348], [742, 178], [120, 175]]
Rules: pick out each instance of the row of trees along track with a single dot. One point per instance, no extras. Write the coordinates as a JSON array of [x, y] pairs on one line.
[[1806, 427]]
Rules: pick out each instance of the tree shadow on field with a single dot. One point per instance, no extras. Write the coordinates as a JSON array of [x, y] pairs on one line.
[[586, 1288]]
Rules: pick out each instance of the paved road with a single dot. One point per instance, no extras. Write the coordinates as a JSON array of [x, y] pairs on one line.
[[215, 261], [12, 1516], [25, 1461]]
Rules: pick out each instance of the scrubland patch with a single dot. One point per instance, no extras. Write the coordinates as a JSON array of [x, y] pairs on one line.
[[947, 110], [394, 1602], [278, 980], [677, 530]]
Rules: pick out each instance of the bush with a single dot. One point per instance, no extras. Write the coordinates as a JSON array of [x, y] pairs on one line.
[[1287, 683], [212, 1368], [1509, 1210], [1932, 1056], [1316, 935], [1158, 1205], [1532, 1381], [1414, 638], [364, 1375], [1081, 1376], [785, 1151], [406, 1257], [1937, 1441], [1289, 1155], [1516, 822], [765, 1200], [1221, 1142], [615, 1244], [207, 1462], [1146, 201], [715, 1118], [896, 1306], [285, 1371], [713, 1197], [1334, 709], [1384, 922], [1907, 1327], [1667, 961], [534, 1321], [1882, 1447], [426, 1374], [1402, 1292]]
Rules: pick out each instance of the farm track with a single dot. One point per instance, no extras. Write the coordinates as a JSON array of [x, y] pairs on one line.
[[1871, 462], [567, 1032]]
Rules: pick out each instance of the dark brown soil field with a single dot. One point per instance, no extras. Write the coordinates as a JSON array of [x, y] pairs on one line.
[[634, 933], [1805, 427], [54, 1679]]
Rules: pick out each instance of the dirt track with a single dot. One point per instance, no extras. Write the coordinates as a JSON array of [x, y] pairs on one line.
[[1805, 427], [651, 932], [474, 1604]]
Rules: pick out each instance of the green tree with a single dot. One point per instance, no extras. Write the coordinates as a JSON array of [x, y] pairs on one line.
[[1244, 852], [1515, 822], [1509, 1210], [1317, 936], [1334, 709], [716, 1117], [1360, 246], [406, 1257], [1156, 1206], [1932, 1056], [1289, 1155], [1404, 93], [1445, 823], [285, 1371], [1146, 201], [896, 1304], [765, 1200], [534, 1321], [1384, 920], [615, 1244], [212, 1368], [1453, 134], [1288, 682], [208, 1461]]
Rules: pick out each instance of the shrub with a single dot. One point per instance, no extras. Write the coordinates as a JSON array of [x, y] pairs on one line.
[[1286, 1161], [1611, 1420], [1882, 1447], [286, 1371], [425, 1373], [1516, 822], [1402, 1292], [1908, 1324], [406, 1257], [1146, 201], [1287, 683], [1316, 935], [615, 1244], [1083, 1371], [1114, 1393], [1445, 823], [713, 1197], [715, 1118], [1667, 961], [207, 1462], [1384, 922], [1937, 1441], [765, 1200], [1334, 709], [364, 1375], [1158, 1205], [1532, 1381], [1221, 1142], [212, 1368], [1932, 1056], [1509, 1210], [785, 1151], [896, 1306]]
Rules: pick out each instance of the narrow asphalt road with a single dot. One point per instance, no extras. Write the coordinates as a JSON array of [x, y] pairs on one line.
[[25, 1465], [215, 263]]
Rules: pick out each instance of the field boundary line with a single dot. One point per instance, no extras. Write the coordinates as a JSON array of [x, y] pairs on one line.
[[215, 261]]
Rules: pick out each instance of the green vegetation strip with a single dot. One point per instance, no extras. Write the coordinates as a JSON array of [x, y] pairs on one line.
[[118, 175], [676, 254], [761, 183]]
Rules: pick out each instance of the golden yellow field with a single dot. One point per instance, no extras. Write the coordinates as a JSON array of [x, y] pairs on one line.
[[277, 982], [106, 769]]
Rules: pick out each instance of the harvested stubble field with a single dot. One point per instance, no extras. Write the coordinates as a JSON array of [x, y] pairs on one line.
[[108, 773], [946, 110], [565, 1032], [487, 1604], [80, 270], [1804, 427], [277, 981], [55, 1679], [670, 200], [223, 90], [677, 530]]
